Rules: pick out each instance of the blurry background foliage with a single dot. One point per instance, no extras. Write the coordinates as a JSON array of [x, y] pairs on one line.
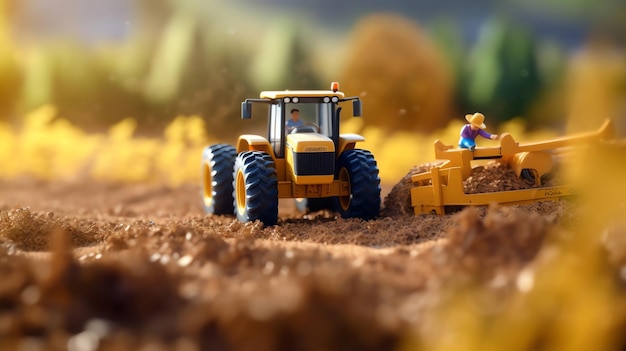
[[525, 64]]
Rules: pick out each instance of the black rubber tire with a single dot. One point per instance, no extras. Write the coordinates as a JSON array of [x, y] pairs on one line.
[[217, 179], [529, 175], [255, 194], [362, 171]]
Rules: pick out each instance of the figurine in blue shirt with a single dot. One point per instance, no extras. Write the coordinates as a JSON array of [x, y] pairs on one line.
[[294, 121], [470, 131]]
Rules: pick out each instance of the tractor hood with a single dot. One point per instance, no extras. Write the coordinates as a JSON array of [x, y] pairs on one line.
[[310, 158], [309, 142]]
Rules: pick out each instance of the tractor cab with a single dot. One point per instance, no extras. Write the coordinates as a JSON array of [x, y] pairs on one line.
[[319, 113]]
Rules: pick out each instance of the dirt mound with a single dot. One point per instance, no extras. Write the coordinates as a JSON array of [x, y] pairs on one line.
[[502, 238], [31, 231], [398, 201], [493, 177]]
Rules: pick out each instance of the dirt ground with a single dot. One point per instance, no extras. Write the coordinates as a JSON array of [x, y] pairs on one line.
[[86, 266]]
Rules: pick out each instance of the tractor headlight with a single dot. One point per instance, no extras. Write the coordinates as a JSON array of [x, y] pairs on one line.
[[295, 100], [326, 99], [335, 99], [286, 100]]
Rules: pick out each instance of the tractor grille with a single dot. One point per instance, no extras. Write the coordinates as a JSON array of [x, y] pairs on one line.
[[314, 163]]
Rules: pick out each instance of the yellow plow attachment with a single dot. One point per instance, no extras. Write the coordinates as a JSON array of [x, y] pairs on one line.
[[443, 185]]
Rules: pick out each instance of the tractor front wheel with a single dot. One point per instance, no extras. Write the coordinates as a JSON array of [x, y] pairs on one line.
[[359, 169], [255, 188]]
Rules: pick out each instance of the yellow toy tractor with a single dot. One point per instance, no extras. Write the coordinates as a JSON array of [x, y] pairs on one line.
[[305, 159]]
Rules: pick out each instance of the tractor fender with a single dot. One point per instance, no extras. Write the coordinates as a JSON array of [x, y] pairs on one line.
[[250, 142], [348, 142]]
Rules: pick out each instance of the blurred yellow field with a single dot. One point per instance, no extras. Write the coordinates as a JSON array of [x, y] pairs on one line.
[[49, 147]]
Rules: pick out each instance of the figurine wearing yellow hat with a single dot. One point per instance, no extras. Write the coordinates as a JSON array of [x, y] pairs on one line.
[[470, 131]]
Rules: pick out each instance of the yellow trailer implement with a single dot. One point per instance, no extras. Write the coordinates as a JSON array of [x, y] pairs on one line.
[[442, 186]]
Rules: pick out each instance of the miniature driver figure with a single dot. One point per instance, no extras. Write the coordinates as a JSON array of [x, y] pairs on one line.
[[470, 131], [294, 121]]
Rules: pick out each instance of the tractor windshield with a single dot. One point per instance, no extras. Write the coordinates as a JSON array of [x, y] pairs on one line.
[[316, 115], [309, 115]]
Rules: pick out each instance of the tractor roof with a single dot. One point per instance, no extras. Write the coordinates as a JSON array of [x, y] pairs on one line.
[[300, 93]]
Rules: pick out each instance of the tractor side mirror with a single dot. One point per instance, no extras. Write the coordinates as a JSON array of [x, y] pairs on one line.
[[246, 110], [356, 108]]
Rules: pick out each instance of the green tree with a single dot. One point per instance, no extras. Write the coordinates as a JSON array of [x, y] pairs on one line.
[[502, 73], [447, 36], [284, 59]]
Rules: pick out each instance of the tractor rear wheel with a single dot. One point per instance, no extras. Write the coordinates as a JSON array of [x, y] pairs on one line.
[[255, 188], [359, 169], [217, 179]]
